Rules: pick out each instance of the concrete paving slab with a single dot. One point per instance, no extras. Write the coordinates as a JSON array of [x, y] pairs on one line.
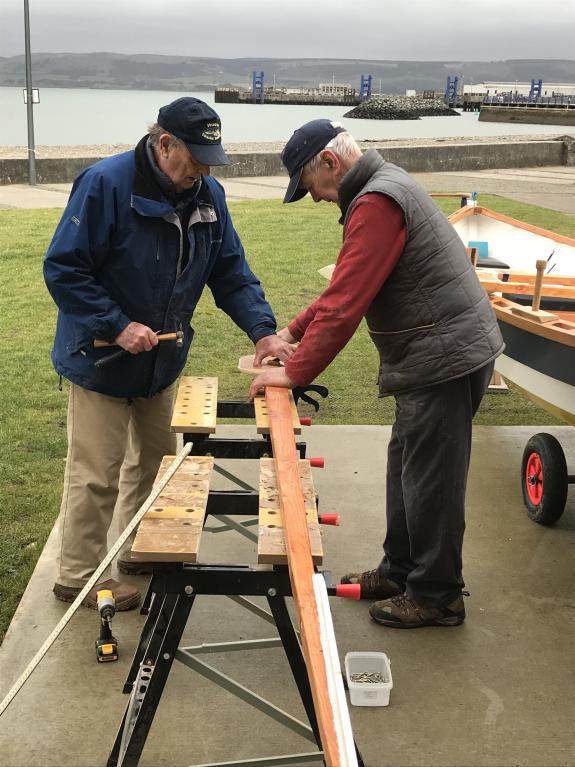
[[498, 691], [549, 187]]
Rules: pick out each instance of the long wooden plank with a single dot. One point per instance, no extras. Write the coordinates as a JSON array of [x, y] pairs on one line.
[[271, 536], [171, 530], [301, 570], [196, 405], [262, 420]]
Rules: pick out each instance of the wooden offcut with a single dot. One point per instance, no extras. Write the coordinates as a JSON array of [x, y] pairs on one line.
[[300, 565], [262, 420], [246, 364], [171, 530], [196, 406], [271, 537]]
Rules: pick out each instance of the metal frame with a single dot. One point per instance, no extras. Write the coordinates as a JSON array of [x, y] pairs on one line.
[[171, 596]]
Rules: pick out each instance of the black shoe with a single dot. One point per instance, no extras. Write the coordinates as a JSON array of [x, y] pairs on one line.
[[373, 584]]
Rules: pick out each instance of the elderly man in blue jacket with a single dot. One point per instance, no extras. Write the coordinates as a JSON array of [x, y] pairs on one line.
[[142, 235]]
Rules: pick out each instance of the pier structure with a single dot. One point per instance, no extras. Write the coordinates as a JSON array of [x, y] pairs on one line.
[[326, 94]]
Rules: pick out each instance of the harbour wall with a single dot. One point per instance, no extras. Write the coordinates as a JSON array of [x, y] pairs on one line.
[[534, 115], [415, 159]]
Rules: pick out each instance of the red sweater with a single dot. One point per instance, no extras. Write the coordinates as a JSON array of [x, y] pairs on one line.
[[374, 240]]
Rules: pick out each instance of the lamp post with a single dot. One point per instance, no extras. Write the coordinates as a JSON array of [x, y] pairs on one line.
[[29, 99]]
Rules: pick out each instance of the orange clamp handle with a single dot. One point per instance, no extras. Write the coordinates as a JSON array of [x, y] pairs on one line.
[[317, 463], [329, 519], [348, 590]]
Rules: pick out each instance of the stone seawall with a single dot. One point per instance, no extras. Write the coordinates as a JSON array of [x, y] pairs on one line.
[[527, 115], [414, 158]]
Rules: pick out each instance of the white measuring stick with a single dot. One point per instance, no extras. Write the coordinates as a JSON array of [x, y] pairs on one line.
[[176, 463], [336, 692]]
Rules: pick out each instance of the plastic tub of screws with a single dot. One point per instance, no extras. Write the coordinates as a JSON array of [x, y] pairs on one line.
[[368, 678]]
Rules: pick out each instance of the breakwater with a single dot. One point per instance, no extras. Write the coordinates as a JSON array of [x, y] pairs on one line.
[[534, 115], [427, 158], [400, 108]]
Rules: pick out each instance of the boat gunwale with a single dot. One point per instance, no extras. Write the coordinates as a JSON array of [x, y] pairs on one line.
[[475, 210], [503, 309]]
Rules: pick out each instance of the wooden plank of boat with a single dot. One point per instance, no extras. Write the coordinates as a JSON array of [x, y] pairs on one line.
[[560, 329], [301, 569], [538, 358], [494, 285], [520, 275]]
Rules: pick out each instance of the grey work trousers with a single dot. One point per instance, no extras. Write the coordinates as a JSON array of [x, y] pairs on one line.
[[115, 447], [427, 465]]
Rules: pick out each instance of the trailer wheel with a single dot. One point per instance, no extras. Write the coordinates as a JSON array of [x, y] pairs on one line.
[[544, 479]]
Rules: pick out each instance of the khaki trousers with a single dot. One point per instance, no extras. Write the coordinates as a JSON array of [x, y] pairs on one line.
[[115, 447]]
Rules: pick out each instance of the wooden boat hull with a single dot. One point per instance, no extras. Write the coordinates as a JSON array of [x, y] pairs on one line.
[[539, 359]]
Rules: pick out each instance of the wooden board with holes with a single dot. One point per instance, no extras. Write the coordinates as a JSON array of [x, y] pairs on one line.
[[246, 364], [196, 405], [170, 531], [262, 420], [271, 539]]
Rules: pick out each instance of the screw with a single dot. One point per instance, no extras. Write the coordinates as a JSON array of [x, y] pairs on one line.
[[189, 590], [272, 592], [166, 656]]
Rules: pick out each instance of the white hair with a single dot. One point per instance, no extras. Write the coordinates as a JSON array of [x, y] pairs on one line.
[[344, 145], [155, 131]]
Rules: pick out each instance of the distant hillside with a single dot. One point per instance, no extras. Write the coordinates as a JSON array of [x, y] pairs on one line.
[[150, 72]]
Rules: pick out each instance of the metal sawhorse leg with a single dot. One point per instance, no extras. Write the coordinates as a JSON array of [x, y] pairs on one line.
[[174, 590]]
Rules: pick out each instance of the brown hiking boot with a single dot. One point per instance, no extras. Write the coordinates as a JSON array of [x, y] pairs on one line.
[[126, 597], [401, 612], [130, 566], [373, 584]]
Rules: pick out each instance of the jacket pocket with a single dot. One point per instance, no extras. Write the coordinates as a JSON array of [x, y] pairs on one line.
[[80, 342]]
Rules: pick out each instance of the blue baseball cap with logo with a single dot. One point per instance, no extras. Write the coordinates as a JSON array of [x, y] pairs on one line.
[[303, 146], [198, 126]]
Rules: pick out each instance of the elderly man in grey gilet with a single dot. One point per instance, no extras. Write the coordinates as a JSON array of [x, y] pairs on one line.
[[404, 269]]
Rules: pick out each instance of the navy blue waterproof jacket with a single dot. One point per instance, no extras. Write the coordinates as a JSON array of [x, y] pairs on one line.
[[115, 258]]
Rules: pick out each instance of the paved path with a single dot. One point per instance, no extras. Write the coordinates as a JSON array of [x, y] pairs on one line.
[[549, 186], [499, 690]]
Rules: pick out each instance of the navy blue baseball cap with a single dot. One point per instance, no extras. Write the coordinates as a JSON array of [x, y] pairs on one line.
[[305, 143], [198, 126]]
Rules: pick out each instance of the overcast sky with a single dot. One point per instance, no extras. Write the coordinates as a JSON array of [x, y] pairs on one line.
[[456, 30]]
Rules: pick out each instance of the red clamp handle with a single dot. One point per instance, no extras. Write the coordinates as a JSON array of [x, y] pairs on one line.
[[348, 590], [305, 420], [329, 519], [317, 463]]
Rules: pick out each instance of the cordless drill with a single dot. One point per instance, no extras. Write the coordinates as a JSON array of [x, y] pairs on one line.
[[106, 644]]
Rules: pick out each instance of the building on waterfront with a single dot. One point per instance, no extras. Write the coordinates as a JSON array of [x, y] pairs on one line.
[[520, 88], [336, 89]]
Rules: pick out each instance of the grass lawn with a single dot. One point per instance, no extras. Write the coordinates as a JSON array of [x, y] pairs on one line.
[[286, 245]]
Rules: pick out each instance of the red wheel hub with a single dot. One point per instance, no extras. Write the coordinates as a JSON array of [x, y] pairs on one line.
[[534, 478]]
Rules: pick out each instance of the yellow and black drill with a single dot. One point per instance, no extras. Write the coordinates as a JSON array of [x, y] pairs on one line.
[[106, 644]]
